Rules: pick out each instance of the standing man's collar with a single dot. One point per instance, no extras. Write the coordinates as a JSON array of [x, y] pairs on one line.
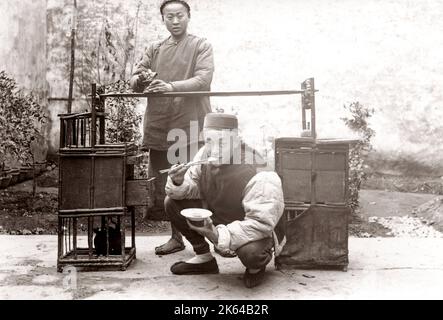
[[173, 41]]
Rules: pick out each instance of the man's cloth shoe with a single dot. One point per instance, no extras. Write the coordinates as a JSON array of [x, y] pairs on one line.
[[184, 268], [252, 280], [173, 245]]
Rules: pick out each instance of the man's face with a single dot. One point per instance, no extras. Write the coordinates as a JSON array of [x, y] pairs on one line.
[[222, 144], [176, 19]]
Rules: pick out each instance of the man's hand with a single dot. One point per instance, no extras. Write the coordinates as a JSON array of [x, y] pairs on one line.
[[159, 86], [208, 230], [177, 173], [145, 78]]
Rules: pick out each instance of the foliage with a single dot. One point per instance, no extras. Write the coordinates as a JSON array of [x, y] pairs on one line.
[[123, 122], [21, 119], [358, 122]]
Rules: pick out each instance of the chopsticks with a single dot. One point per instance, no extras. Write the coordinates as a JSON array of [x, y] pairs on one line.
[[192, 163]]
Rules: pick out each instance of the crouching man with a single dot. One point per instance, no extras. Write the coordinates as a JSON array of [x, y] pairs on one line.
[[246, 204]]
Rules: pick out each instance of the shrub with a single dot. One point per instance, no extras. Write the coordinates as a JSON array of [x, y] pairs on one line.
[[21, 120], [123, 122], [358, 122]]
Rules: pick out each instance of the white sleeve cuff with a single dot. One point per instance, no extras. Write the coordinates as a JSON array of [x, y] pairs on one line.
[[224, 238]]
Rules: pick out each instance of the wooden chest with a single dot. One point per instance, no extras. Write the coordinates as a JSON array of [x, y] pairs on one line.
[[316, 237], [94, 178], [315, 187], [313, 174]]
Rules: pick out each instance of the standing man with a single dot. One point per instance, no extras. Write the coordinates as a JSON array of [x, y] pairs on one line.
[[183, 62]]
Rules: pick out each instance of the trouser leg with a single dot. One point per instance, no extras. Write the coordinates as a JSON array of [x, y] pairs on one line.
[[173, 209], [158, 160], [256, 254]]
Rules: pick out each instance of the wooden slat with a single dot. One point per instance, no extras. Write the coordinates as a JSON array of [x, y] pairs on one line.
[[95, 210]]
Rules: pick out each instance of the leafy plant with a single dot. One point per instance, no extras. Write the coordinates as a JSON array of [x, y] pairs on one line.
[[123, 122], [358, 122], [21, 119]]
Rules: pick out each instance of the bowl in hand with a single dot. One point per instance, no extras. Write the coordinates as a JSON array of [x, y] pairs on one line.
[[196, 216]]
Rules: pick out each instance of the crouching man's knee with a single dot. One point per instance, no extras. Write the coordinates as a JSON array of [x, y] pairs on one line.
[[257, 254]]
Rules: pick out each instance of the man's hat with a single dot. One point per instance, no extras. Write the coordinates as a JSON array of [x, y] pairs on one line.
[[220, 121]]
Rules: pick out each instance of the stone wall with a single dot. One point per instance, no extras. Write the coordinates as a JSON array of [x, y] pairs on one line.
[[23, 43]]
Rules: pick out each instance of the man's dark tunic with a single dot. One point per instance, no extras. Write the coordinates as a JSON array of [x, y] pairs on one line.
[[188, 65]]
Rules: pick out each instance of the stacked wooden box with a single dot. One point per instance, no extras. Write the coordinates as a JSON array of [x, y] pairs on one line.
[[314, 174]]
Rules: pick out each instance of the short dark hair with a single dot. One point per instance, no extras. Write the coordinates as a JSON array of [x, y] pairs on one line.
[[182, 2]]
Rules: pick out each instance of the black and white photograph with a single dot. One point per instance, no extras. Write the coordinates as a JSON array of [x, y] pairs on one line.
[[233, 152]]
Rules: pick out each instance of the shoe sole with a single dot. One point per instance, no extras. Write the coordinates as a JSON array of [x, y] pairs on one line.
[[164, 253], [196, 273], [216, 270]]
